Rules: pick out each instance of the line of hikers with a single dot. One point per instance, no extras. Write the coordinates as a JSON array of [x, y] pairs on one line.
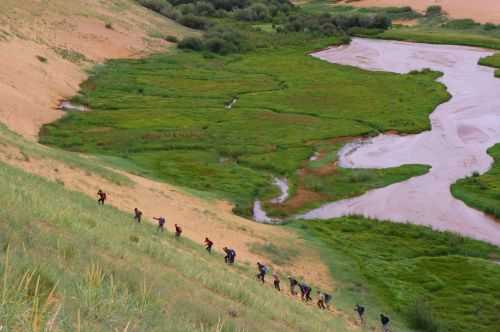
[[324, 299]]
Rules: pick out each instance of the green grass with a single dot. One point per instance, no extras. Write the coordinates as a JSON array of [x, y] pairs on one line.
[[166, 114], [442, 36], [68, 265], [327, 6], [482, 191], [492, 61], [434, 281]]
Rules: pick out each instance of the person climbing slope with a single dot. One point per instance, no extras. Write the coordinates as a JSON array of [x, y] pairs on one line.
[[360, 310], [161, 223], [262, 271], [276, 282], [178, 231], [101, 197], [385, 322], [293, 284], [208, 244], [324, 300], [230, 255], [137, 215], [305, 292]]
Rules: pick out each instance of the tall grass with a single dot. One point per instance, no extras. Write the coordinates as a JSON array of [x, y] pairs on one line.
[[482, 191], [69, 265]]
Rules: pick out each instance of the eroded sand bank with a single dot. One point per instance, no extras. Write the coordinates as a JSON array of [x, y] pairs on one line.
[[480, 10], [462, 130]]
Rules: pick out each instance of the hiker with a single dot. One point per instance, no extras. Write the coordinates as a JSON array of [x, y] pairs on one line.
[[293, 284], [360, 310], [161, 223], [230, 255], [262, 272], [102, 197], [276, 282], [324, 300], [305, 292], [137, 215], [385, 322], [208, 244], [178, 231]]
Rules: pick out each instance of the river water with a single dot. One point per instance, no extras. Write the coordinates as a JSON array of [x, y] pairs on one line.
[[462, 130]]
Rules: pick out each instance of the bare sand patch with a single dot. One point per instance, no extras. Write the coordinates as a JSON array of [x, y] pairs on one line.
[[480, 10], [45, 47]]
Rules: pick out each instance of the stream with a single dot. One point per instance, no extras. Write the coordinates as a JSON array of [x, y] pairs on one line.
[[462, 130], [259, 214]]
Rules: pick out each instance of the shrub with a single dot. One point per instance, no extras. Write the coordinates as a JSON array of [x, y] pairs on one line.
[[219, 46], [42, 59], [421, 318], [434, 11], [155, 5], [461, 24], [194, 22], [204, 8], [172, 39], [191, 43], [489, 26], [109, 25]]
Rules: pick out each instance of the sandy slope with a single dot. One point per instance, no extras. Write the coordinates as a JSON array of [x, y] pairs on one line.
[[480, 10], [199, 218], [72, 36]]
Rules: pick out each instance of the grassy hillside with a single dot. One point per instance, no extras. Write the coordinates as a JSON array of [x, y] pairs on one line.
[[482, 191], [69, 265], [435, 281], [167, 114]]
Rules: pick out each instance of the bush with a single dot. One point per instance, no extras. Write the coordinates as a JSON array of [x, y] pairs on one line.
[[155, 5], [191, 43], [194, 22], [421, 318], [434, 11], [172, 39], [461, 24], [204, 8], [489, 26]]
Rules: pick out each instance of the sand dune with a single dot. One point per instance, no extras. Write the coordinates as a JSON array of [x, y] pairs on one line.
[[480, 10]]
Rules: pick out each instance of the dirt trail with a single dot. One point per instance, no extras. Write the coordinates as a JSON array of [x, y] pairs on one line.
[[480, 10]]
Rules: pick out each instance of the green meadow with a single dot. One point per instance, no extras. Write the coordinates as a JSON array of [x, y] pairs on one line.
[[167, 115], [433, 281], [482, 191]]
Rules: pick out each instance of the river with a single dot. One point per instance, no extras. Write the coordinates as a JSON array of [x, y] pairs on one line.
[[462, 130]]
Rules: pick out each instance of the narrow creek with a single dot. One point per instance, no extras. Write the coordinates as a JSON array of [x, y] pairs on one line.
[[259, 214], [462, 130]]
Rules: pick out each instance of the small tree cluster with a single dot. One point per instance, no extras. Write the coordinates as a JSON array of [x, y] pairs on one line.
[[327, 24], [219, 40]]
